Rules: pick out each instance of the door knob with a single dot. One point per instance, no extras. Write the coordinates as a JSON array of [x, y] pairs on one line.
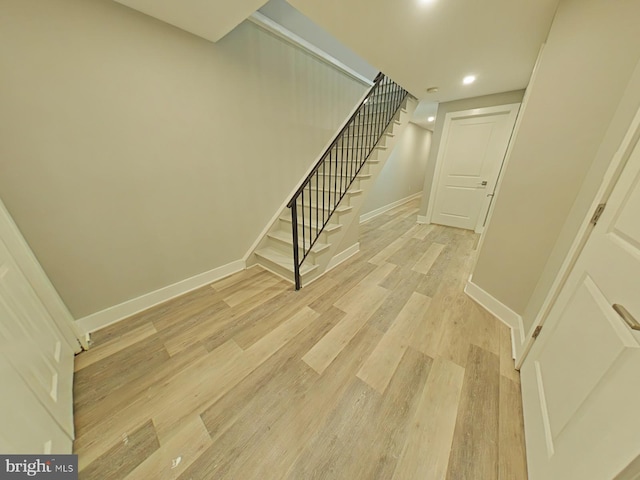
[[483, 183]]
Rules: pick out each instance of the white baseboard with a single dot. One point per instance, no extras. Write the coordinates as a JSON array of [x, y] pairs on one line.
[[423, 220], [111, 315], [379, 211], [500, 311], [343, 256]]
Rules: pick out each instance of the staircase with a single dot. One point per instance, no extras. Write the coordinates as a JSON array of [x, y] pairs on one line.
[[305, 236]]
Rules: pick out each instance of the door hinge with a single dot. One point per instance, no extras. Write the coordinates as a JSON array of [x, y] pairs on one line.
[[598, 213], [536, 332]]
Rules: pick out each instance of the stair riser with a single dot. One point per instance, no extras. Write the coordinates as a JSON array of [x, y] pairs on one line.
[[355, 185], [325, 235], [338, 217], [284, 272], [372, 118], [308, 213], [364, 172], [274, 267], [328, 201], [287, 248], [358, 183], [346, 156], [361, 140]]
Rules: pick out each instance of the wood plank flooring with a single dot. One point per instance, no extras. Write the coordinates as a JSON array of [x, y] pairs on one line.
[[381, 369]]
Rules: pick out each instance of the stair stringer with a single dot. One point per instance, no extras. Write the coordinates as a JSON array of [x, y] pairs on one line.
[[274, 251]]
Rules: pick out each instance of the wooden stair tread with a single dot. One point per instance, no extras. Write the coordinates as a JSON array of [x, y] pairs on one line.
[[284, 261]]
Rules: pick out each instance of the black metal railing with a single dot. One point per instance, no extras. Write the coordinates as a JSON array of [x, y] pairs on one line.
[[321, 192]]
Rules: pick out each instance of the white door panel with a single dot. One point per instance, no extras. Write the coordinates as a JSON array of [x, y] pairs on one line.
[[26, 426], [36, 359], [32, 344], [473, 147], [468, 145], [580, 381], [458, 202]]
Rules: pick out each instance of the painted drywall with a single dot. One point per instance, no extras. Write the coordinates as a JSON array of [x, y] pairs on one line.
[[403, 173], [458, 106], [134, 155], [351, 237], [281, 12], [589, 57], [627, 108]]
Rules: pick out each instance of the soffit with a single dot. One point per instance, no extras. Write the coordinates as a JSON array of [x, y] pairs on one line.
[[210, 19]]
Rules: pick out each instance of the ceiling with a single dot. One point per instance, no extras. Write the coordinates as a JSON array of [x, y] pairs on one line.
[[210, 19], [435, 43], [423, 112], [418, 43]]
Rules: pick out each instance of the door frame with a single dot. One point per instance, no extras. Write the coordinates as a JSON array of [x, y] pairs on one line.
[[509, 109], [617, 164], [37, 278]]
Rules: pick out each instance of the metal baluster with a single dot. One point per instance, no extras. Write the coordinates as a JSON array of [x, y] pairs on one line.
[[376, 126], [339, 193], [335, 183], [354, 154], [396, 96], [356, 133], [324, 179], [385, 91], [368, 119], [385, 112], [303, 229], [294, 225], [389, 112], [348, 165], [330, 160], [306, 250]]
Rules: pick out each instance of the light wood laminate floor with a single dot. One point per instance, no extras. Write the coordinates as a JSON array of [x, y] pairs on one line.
[[383, 368]]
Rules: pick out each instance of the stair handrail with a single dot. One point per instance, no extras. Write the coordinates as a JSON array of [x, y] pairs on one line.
[[377, 120]]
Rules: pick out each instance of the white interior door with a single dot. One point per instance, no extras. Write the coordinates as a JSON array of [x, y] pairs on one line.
[[473, 146], [581, 379], [36, 358], [27, 427]]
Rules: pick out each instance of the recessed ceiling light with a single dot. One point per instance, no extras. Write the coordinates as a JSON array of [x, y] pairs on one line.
[[432, 89], [431, 119], [469, 79], [425, 2]]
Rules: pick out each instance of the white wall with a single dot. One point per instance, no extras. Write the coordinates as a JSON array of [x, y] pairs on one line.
[[403, 174], [590, 55], [134, 155], [627, 108]]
